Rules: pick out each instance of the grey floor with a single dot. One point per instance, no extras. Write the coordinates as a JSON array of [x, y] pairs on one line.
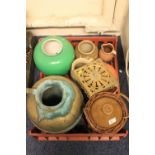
[[35, 147], [77, 148]]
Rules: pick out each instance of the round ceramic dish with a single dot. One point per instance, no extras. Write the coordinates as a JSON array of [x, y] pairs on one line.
[[54, 104], [54, 55], [86, 49], [106, 113]]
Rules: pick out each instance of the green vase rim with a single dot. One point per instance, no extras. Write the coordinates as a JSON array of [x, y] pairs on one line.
[[51, 39]]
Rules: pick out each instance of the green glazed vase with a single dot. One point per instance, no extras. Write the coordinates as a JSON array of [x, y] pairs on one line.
[[54, 55]]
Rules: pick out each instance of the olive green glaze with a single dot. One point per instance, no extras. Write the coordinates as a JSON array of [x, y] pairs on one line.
[[57, 64]]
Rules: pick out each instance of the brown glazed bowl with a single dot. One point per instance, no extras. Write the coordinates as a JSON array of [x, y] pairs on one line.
[[107, 52], [106, 113], [86, 49]]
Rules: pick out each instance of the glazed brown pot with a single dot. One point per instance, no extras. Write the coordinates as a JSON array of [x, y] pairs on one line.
[[107, 52], [106, 113], [86, 49], [55, 104]]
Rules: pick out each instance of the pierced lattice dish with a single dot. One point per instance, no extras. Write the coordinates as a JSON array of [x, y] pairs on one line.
[[95, 77]]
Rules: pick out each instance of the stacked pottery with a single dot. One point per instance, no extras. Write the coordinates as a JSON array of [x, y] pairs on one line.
[[55, 102]]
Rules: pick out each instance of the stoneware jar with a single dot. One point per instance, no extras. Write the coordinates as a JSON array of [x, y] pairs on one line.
[[86, 49], [107, 52], [106, 112], [83, 61], [54, 104], [54, 55]]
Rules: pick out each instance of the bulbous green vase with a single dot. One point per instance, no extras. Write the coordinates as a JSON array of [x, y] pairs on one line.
[[54, 55]]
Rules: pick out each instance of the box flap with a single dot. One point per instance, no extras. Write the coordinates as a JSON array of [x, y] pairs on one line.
[[94, 15]]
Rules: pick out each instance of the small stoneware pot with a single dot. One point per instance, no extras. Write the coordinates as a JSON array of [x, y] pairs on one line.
[[107, 52], [86, 49], [54, 104]]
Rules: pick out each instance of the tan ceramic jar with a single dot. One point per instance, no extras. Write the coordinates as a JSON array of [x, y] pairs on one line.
[[107, 52], [86, 49]]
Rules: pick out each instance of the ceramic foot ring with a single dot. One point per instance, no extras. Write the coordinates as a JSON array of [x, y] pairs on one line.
[[54, 104], [106, 113]]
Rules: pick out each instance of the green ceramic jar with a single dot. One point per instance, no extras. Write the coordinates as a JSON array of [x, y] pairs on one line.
[[54, 55]]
